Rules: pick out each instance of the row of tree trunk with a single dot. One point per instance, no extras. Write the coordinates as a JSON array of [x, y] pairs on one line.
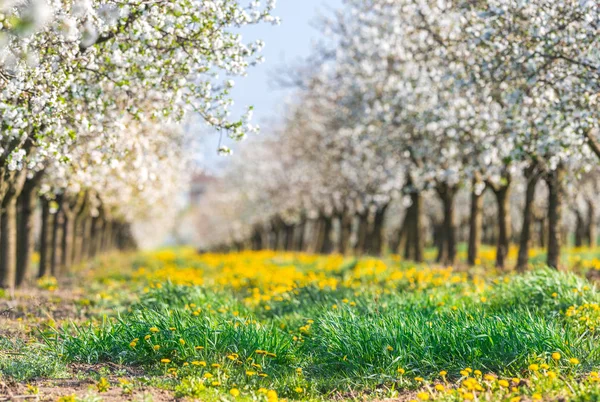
[[69, 234], [333, 232]]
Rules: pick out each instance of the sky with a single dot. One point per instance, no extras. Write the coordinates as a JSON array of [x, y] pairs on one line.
[[286, 44]]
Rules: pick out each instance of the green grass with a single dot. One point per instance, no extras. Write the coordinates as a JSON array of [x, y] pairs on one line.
[[373, 337], [347, 348]]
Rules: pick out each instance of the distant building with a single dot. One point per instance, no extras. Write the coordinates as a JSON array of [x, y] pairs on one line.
[[198, 186]]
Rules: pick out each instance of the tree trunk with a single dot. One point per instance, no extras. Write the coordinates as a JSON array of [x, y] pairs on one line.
[[93, 241], [555, 182], [46, 239], [363, 228], [345, 231], [327, 247], [12, 187], [579, 228], [299, 235], [376, 234], [400, 243], [502, 193], [592, 233], [67, 241], [504, 226], [289, 237], [8, 243], [447, 251], [57, 226], [418, 242], [25, 243], [532, 176], [107, 234], [475, 222]]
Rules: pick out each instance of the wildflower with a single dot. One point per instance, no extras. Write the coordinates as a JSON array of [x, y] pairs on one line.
[[468, 396], [165, 361], [272, 396], [419, 379], [199, 363], [556, 356], [489, 377], [234, 392], [199, 347], [156, 347], [208, 375], [389, 348], [477, 373], [132, 344], [263, 375], [32, 389], [574, 360], [215, 365], [103, 385], [154, 330], [172, 329], [182, 342], [262, 391], [439, 387], [544, 366], [401, 371], [299, 371], [250, 373], [503, 383], [536, 397], [534, 367], [424, 396], [443, 373], [147, 337], [216, 383]]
